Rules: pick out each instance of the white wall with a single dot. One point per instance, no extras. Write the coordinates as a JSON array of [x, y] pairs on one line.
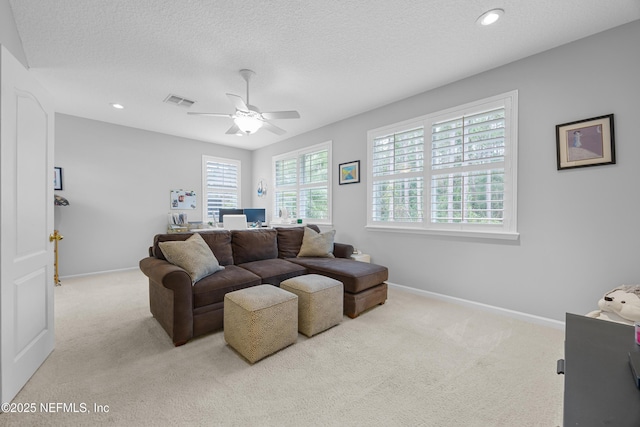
[[117, 180], [578, 228], [9, 37]]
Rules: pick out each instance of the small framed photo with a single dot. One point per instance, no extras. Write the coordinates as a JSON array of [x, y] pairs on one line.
[[349, 172], [57, 178], [588, 142]]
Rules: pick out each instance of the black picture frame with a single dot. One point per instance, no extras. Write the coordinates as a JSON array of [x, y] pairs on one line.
[[349, 172], [588, 142], [57, 178]]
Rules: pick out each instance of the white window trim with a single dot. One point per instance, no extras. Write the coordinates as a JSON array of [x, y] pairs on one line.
[[296, 154], [508, 230], [206, 158]]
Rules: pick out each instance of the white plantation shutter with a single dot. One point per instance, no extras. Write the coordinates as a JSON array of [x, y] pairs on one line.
[[221, 183], [314, 203], [462, 180], [286, 172], [467, 160], [398, 165], [302, 183], [314, 185], [286, 186]]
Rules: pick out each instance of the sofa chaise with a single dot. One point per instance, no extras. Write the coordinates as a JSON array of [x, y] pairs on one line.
[[250, 257]]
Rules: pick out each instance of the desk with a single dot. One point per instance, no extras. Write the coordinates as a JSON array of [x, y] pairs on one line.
[[189, 230], [273, 224], [598, 386]]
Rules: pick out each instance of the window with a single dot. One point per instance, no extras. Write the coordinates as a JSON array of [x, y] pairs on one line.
[[220, 185], [461, 181], [398, 165], [303, 183]]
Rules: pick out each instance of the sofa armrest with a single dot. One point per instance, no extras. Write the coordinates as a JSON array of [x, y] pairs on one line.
[[342, 250], [168, 275], [170, 297]]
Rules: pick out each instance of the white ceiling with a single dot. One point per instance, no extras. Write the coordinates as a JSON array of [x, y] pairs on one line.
[[328, 59]]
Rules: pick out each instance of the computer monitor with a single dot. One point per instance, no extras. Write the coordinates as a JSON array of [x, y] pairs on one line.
[[224, 212], [255, 215]]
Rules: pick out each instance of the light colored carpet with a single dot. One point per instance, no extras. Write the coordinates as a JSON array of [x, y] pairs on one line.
[[414, 361]]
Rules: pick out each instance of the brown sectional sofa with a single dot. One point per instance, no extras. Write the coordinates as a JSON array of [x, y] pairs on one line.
[[250, 257]]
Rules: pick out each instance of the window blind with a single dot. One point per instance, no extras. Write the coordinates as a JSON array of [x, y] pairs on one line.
[[399, 153], [222, 185], [398, 200], [302, 184], [286, 172], [314, 167], [451, 172], [467, 160], [398, 163]]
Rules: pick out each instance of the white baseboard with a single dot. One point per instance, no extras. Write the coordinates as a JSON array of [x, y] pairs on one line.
[[119, 270], [454, 300], [556, 324]]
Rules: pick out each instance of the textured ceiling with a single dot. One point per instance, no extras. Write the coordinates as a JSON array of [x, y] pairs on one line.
[[328, 59]]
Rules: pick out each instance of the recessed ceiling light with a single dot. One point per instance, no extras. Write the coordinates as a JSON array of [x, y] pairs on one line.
[[118, 106], [490, 17]]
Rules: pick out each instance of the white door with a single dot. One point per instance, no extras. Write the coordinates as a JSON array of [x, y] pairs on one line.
[[26, 220]]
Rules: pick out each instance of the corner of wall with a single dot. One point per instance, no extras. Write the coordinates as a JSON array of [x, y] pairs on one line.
[[9, 36]]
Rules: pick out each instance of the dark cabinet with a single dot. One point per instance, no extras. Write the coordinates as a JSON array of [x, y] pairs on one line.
[[599, 389]]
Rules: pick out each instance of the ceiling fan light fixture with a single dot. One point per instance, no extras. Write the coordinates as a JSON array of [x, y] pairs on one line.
[[248, 119], [248, 122]]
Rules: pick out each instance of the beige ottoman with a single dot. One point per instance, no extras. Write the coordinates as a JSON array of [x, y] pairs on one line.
[[320, 301], [260, 320]]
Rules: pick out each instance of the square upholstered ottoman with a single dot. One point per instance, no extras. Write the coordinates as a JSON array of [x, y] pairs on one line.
[[260, 320], [320, 301]]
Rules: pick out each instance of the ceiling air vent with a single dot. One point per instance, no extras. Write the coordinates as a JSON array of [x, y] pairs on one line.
[[178, 100]]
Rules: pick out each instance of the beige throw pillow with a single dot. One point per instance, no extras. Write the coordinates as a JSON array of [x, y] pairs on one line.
[[316, 244], [194, 255]]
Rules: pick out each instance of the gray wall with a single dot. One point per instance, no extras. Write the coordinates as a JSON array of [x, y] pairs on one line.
[[117, 180], [578, 231]]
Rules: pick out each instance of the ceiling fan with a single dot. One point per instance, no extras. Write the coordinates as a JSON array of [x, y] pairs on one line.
[[248, 119]]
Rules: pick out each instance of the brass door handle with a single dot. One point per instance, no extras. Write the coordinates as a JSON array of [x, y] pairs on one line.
[[55, 236]]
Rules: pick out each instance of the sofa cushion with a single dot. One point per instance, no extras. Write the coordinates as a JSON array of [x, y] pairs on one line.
[[254, 245], [290, 240], [193, 255], [212, 289], [316, 244], [219, 241], [354, 275], [274, 271]]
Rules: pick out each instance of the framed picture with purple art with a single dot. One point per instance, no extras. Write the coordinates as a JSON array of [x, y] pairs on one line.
[[588, 142]]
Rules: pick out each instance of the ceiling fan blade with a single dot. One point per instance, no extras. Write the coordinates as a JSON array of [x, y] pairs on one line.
[[237, 102], [233, 130], [273, 128], [281, 115], [211, 114]]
